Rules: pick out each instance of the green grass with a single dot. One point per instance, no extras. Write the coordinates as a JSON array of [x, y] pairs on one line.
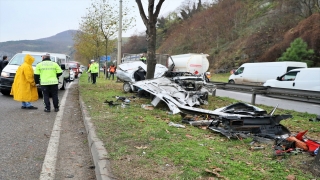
[[141, 145], [221, 77]]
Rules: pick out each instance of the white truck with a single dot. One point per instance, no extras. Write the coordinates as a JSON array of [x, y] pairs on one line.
[[259, 73], [192, 62], [302, 79], [8, 73]]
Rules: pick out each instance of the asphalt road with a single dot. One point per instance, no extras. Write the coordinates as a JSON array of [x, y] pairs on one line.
[[25, 135], [282, 103]]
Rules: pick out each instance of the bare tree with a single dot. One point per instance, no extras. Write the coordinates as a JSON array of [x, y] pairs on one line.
[[150, 23]]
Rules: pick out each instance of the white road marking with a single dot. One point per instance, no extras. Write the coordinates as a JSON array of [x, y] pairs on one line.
[[49, 164]]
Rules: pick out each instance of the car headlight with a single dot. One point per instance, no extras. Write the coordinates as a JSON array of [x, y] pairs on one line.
[[5, 74]]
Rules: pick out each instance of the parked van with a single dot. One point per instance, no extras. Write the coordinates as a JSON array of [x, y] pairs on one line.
[[8, 73], [303, 79], [259, 73]]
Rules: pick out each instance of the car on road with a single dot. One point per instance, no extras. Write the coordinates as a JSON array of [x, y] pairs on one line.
[[75, 67], [8, 73], [72, 76], [301, 79]]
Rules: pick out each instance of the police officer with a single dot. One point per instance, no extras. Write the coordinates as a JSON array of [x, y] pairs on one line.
[[94, 69], [143, 59], [48, 72]]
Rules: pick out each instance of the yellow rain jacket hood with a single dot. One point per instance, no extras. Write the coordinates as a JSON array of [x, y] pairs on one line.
[[24, 87]]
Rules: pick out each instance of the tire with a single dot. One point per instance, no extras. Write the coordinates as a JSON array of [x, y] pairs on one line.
[[231, 82], [63, 85], [127, 87], [5, 92], [205, 96]]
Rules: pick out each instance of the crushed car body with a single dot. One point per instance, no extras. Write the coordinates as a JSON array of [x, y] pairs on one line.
[[172, 94], [134, 71]]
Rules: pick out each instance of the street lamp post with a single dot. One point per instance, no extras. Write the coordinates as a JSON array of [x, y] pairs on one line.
[[119, 33]]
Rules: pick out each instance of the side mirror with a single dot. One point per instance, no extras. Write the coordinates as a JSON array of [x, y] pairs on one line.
[[278, 78], [236, 73], [63, 66]]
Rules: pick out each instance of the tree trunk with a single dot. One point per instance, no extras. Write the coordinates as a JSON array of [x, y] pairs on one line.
[[151, 59], [150, 23]]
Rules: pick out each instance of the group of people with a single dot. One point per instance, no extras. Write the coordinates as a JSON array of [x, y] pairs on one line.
[[26, 83], [93, 69]]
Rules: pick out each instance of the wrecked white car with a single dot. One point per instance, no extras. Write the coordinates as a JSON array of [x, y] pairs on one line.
[[166, 90], [134, 71]]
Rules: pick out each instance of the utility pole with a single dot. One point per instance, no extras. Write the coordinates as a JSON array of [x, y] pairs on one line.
[[119, 33]]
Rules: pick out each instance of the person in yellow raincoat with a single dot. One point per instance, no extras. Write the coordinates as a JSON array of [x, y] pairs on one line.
[[24, 88]]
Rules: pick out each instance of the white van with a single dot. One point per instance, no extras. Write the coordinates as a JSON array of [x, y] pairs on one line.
[[8, 73], [259, 73], [303, 79]]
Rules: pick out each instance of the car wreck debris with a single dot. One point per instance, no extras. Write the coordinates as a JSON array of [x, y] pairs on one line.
[[176, 125], [173, 94], [242, 119]]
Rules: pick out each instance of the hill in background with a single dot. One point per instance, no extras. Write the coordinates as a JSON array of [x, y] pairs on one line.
[[59, 43]]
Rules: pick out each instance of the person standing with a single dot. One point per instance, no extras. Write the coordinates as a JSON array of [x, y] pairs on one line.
[[94, 69], [3, 63], [47, 73], [143, 59], [89, 74], [24, 88], [112, 70]]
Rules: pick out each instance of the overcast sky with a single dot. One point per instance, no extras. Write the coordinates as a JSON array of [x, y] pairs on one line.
[[35, 19]]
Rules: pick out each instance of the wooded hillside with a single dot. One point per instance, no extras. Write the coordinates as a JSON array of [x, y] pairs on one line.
[[234, 32]]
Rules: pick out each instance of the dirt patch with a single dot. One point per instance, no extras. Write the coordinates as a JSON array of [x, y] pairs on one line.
[[74, 158]]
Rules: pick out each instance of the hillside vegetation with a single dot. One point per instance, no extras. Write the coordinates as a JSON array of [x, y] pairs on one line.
[[235, 32]]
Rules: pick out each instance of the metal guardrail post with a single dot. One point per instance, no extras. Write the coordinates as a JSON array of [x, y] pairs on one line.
[[253, 98], [214, 92]]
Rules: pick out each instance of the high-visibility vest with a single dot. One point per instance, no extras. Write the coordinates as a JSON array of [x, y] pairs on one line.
[[94, 68], [112, 69], [48, 71]]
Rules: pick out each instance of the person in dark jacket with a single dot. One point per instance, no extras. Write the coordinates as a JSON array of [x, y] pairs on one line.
[[3, 63]]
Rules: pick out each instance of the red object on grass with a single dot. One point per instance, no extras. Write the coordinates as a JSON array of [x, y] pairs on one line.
[[312, 145], [301, 134]]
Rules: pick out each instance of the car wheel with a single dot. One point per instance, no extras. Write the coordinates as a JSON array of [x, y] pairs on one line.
[[127, 87], [5, 92], [231, 82], [63, 85], [205, 96]]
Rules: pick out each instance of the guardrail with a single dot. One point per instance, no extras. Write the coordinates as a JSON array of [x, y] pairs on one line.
[[283, 93]]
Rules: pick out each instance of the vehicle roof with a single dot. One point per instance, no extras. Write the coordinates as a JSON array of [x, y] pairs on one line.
[[292, 63], [34, 53], [306, 69]]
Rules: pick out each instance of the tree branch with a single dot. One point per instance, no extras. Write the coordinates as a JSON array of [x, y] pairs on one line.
[[156, 13], [142, 14]]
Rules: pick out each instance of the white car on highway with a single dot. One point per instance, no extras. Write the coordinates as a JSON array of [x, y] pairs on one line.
[[72, 75]]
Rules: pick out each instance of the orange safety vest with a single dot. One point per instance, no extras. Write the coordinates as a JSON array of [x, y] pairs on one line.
[[112, 69]]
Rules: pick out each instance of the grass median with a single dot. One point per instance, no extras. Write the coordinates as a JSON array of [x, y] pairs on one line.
[[141, 144]]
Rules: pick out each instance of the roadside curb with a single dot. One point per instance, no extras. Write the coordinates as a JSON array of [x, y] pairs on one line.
[[98, 152]]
